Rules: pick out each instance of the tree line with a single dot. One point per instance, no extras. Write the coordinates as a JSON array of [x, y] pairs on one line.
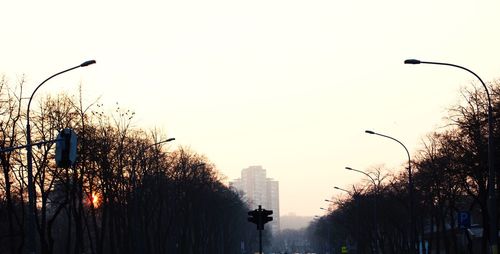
[[450, 175], [126, 194]]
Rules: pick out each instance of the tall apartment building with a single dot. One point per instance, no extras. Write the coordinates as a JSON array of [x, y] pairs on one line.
[[260, 190]]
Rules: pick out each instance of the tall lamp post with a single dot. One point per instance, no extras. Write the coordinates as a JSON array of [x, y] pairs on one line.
[[356, 223], [327, 244], [31, 226], [138, 246], [492, 203], [375, 201], [143, 150], [410, 189]]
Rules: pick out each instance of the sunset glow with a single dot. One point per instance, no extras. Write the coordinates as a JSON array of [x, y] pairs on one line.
[[95, 199]]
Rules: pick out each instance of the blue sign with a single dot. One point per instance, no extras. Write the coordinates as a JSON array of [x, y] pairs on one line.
[[463, 219]]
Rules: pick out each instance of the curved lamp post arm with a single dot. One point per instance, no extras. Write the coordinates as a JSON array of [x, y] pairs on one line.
[[389, 137], [364, 173], [141, 152], [415, 61], [157, 143], [84, 64], [344, 190]]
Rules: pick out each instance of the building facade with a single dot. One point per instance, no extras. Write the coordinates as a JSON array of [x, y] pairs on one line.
[[260, 190]]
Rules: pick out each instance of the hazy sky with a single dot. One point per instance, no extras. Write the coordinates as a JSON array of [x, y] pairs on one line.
[[289, 85]]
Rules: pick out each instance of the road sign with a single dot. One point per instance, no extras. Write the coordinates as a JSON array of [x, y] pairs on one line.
[[343, 249], [66, 148], [463, 219]]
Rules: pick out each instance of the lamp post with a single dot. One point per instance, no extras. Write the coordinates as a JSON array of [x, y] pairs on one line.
[[138, 245], [141, 153], [356, 217], [492, 203], [410, 189], [375, 201], [31, 243]]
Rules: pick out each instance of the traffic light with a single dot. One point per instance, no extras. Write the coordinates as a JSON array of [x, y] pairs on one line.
[[66, 148], [254, 218], [266, 216], [260, 217]]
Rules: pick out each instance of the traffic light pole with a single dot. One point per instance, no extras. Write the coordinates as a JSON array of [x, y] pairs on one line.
[[10, 149], [260, 241], [260, 217]]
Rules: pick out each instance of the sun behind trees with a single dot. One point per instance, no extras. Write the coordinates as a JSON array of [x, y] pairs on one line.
[[122, 196], [450, 176]]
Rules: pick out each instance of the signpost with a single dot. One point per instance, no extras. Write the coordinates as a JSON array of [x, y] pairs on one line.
[[463, 219]]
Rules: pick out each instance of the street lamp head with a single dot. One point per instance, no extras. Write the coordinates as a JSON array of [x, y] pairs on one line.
[[369, 132], [335, 187], [412, 61], [87, 63], [170, 139], [348, 168]]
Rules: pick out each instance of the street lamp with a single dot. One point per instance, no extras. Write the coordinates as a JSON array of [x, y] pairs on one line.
[[138, 246], [160, 142], [355, 207], [327, 200], [375, 221], [143, 150], [492, 203], [364, 173], [344, 190], [155, 144], [410, 188], [31, 244]]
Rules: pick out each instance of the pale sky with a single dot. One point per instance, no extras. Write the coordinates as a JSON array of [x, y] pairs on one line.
[[289, 85]]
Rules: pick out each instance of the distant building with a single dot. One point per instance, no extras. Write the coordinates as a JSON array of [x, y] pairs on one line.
[[294, 222], [260, 190]]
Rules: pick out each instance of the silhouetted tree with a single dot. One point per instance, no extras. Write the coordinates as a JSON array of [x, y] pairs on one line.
[[124, 195]]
